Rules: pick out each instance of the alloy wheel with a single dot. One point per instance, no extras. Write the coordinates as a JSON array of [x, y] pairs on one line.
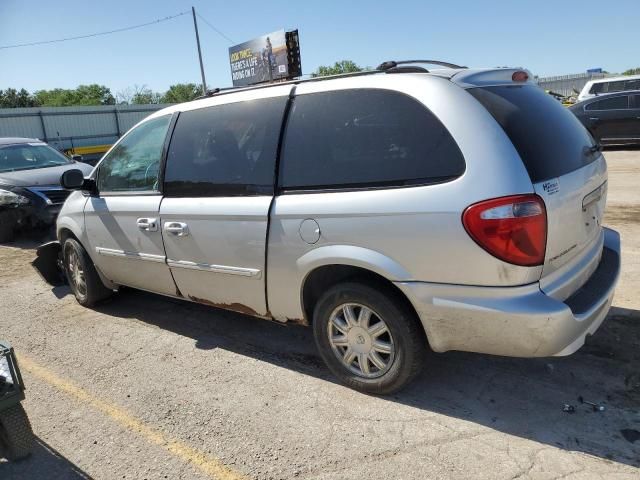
[[76, 273], [361, 340]]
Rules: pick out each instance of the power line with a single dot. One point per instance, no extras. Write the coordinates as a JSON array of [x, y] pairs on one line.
[[215, 29], [124, 29]]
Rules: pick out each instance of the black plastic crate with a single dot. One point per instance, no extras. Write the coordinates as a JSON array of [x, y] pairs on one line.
[[11, 385]]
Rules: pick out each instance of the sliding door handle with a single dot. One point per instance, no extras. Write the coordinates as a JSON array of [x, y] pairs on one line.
[[179, 229]]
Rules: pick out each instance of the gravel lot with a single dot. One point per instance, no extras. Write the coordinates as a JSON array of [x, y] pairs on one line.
[[146, 387]]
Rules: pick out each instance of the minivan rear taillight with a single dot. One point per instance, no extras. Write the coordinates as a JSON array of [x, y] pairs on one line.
[[513, 229]]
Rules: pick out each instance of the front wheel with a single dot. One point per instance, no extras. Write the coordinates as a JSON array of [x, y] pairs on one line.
[[368, 338], [82, 275]]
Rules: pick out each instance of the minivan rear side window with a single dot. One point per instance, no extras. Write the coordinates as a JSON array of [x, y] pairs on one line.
[[225, 150], [365, 138], [550, 139]]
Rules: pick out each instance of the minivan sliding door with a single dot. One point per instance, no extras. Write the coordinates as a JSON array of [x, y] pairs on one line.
[[218, 187]]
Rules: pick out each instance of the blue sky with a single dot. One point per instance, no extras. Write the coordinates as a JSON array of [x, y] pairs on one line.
[[549, 38]]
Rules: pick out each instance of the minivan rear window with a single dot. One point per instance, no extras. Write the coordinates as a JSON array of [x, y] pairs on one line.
[[365, 138], [550, 139]]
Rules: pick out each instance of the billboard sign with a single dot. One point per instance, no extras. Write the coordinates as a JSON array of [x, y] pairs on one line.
[[262, 59]]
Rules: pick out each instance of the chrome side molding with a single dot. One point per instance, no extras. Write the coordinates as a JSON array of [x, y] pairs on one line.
[[205, 267], [110, 252]]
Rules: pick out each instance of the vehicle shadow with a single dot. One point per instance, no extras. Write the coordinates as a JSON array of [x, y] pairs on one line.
[[44, 462], [30, 239], [617, 148], [521, 397]]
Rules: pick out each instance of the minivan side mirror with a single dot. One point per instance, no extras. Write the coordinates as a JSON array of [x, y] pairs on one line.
[[72, 179], [77, 158]]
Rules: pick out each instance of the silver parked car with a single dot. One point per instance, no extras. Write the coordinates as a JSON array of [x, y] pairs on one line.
[[456, 208]]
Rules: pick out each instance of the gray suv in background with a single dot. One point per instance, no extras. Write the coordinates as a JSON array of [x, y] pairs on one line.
[[391, 210]]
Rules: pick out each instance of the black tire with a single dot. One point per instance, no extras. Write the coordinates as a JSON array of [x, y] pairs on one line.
[[16, 435], [410, 345], [7, 227], [93, 290]]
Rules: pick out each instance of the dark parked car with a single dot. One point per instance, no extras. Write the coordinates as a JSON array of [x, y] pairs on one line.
[[30, 191], [612, 119]]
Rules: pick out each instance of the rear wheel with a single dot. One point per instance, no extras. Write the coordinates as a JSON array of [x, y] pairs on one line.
[[368, 338], [82, 275], [16, 435]]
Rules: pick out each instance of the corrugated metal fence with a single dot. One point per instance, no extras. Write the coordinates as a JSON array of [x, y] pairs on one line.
[[68, 127], [566, 84]]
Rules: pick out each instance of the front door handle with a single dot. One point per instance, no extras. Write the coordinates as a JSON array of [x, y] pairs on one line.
[[148, 224], [179, 229], [595, 119]]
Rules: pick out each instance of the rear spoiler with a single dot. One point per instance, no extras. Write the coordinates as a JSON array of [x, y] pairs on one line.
[[470, 78]]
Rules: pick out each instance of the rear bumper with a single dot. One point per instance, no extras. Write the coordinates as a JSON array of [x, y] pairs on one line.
[[516, 321]]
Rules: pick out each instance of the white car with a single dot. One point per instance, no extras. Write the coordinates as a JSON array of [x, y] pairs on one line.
[[601, 86]]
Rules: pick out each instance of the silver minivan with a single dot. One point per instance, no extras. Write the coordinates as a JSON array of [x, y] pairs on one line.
[[392, 210]]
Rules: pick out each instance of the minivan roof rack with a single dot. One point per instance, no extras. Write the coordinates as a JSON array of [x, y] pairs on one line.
[[212, 91], [391, 64], [221, 91]]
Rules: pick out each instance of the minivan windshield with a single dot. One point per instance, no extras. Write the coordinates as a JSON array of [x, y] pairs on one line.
[[549, 138], [28, 156]]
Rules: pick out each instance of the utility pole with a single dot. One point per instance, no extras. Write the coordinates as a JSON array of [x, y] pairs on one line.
[[195, 25]]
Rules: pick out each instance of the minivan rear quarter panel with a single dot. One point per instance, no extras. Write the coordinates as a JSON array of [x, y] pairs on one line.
[[416, 230]]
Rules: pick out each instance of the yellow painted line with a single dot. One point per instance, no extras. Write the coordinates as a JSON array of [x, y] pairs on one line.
[[211, 466], [88, 150]]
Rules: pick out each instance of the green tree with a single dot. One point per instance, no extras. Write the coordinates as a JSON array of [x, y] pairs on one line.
[[83, 95], [138, 95], [9, 98], [343, 66], [145, 97], [181, 92], [94, 95], [25, 99], [12, 98], [53, 98], [632, 71]]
